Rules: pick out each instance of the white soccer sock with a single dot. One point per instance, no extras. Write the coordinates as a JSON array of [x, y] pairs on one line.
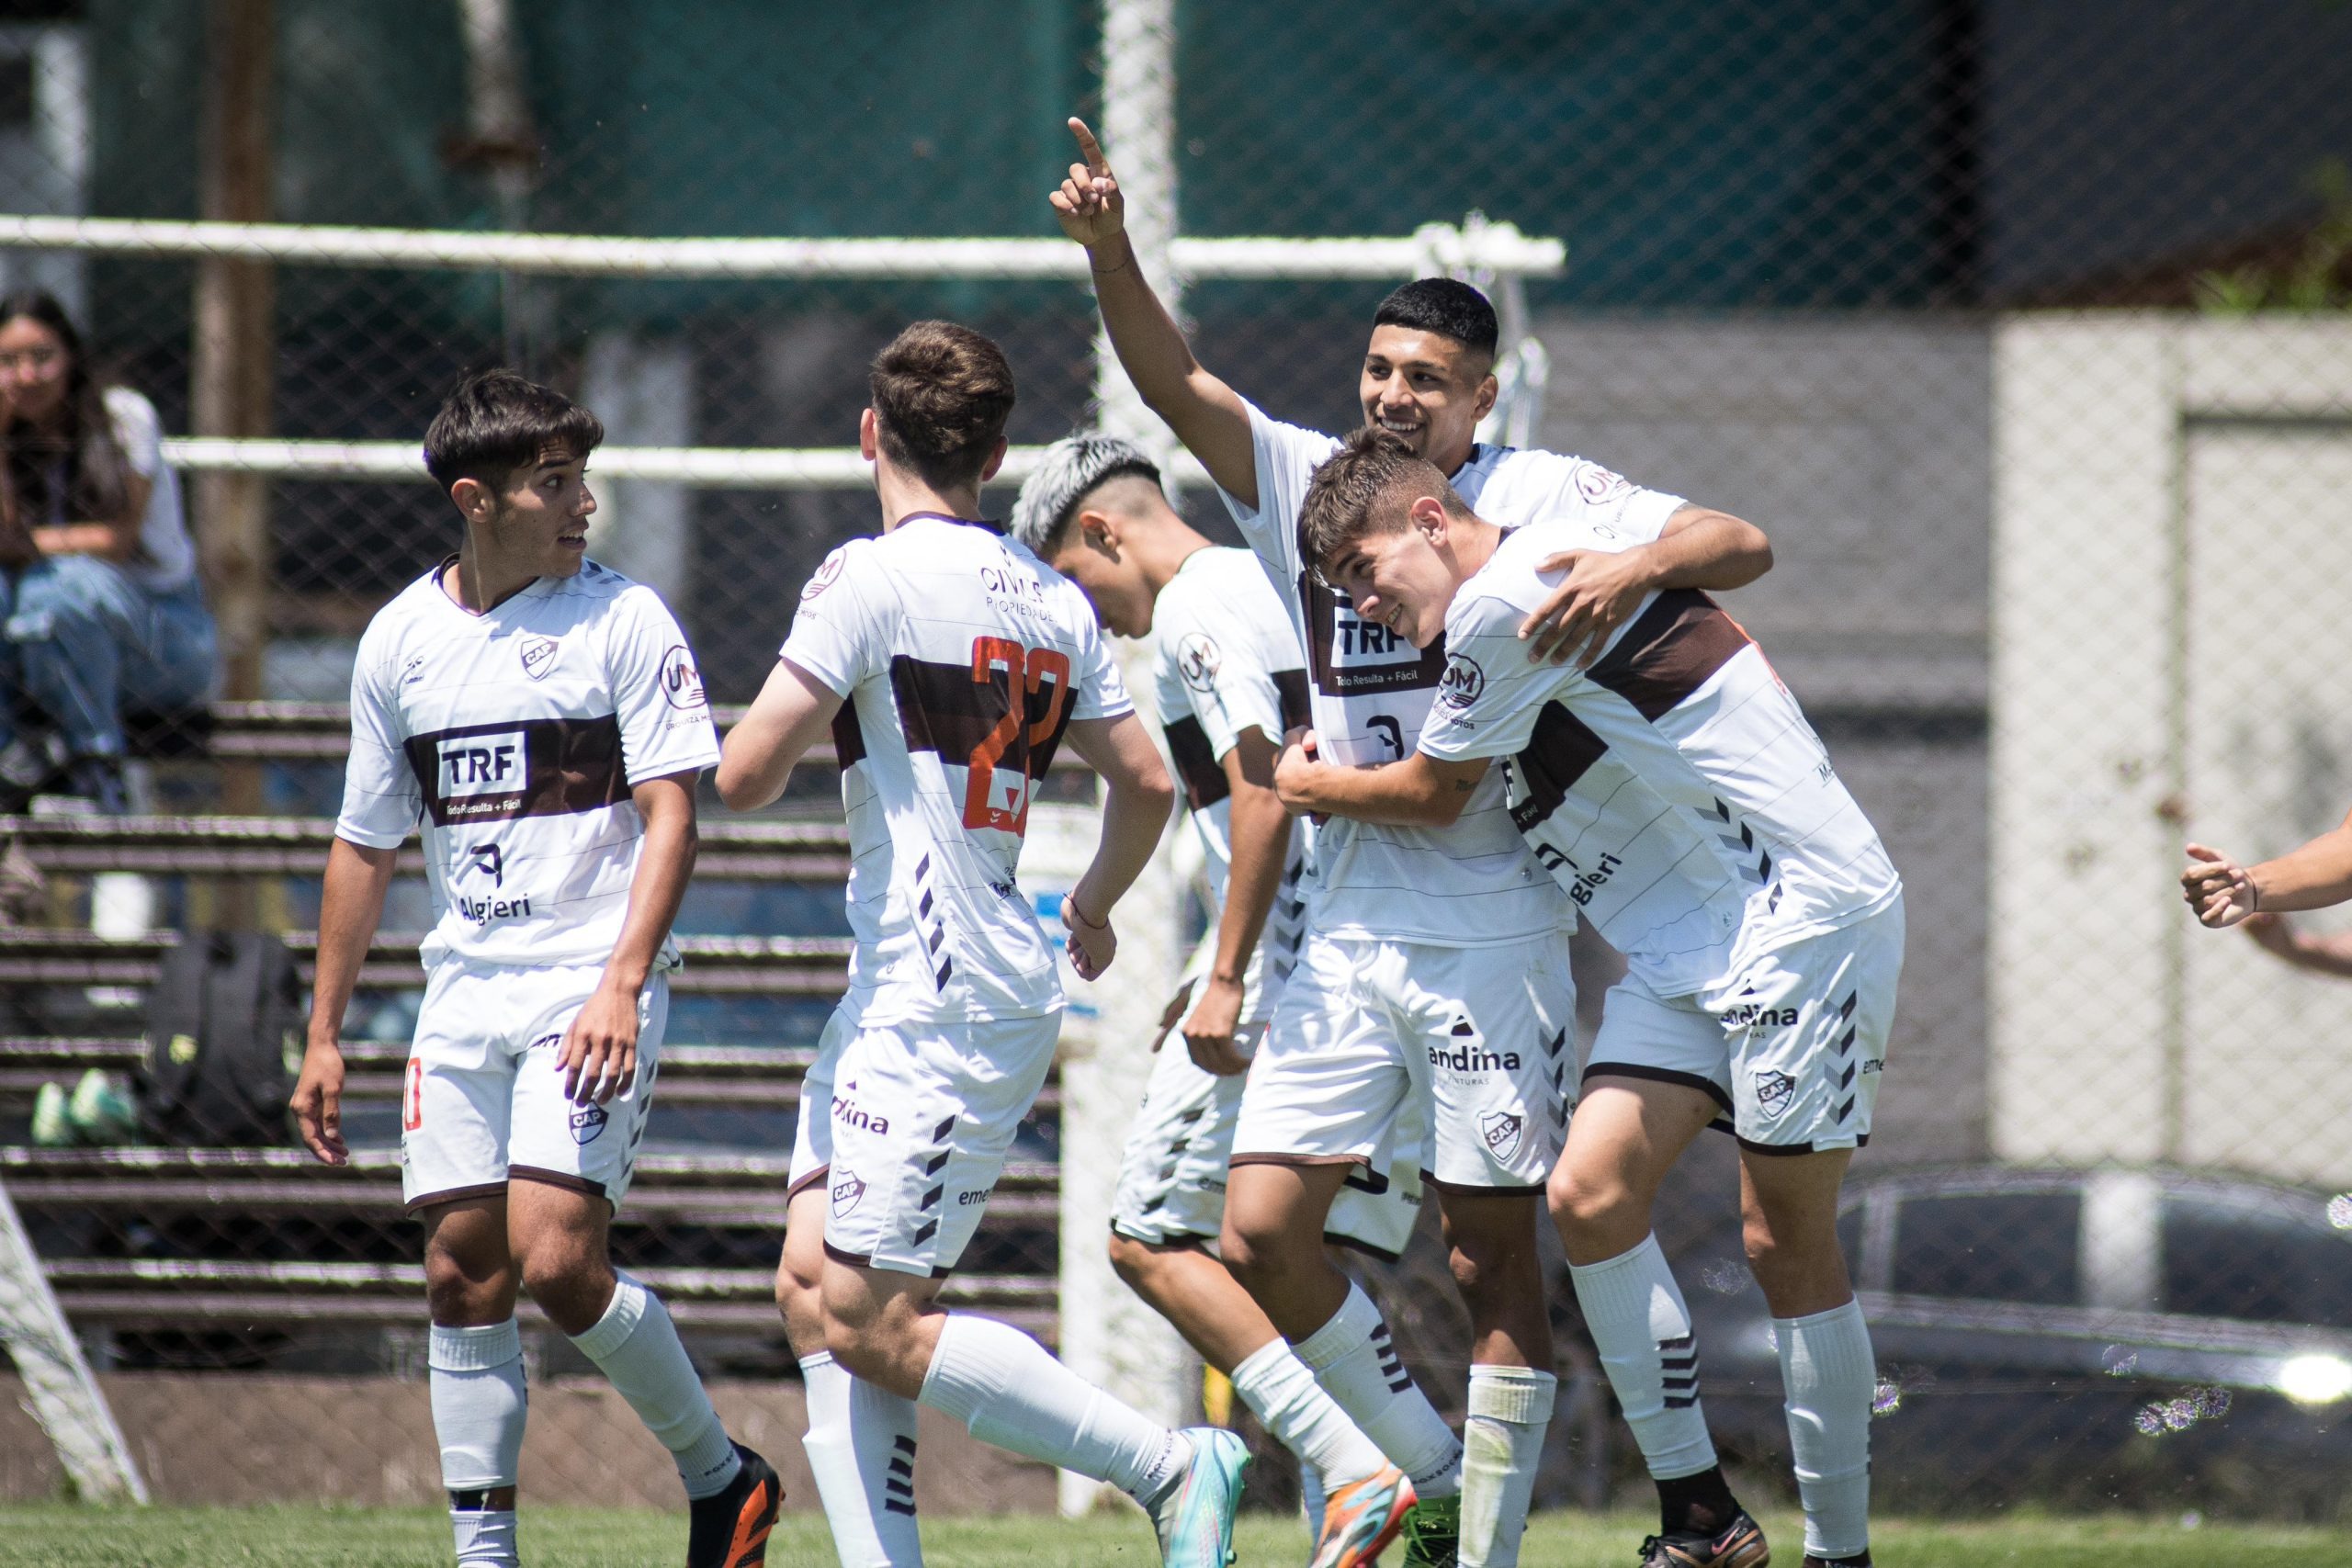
[[1009, 1391], [1828, 1374], [861, 1444], [636, 1345], [1310, 1500], [478, 1400], [1502, 1440], [1642, 1329], [1279, 1390], [486, 1538], [1354, 1359]]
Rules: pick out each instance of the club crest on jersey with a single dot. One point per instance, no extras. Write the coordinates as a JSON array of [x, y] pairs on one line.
[[1462, 683], [1774, 1091], [538, 656], [847, 1191], [588, 1124], [681, 682], [1596, 484], [1198, 659], [1501, 1132]]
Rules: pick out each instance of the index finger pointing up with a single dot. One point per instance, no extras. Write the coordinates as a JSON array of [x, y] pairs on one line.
[[1090, 149]]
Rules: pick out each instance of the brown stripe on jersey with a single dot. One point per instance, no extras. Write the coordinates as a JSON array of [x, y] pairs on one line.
[[1557, 754], [1196, 764], [1679, 642], [849, 740], [1346, 680], [943, 709], [1291, 699], [533, 767]]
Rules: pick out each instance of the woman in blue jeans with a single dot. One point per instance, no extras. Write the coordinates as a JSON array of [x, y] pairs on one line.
[[97, 574]]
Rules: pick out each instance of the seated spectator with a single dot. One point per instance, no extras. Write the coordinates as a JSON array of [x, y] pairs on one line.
[[98, 589]]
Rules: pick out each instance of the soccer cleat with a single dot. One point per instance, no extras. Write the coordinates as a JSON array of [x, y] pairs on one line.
[[1739, 1544], [1360, 1517], [730, 1529], [1434, 1533], [1196, 1520]]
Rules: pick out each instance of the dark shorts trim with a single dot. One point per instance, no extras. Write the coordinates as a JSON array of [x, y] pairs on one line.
[[1356, 1244], [1305, 1160], [1707, 1086], [1752, 1146], [857, 1260], [1478, 1190], [806, 1182], [455, 1195], [562, 1179]]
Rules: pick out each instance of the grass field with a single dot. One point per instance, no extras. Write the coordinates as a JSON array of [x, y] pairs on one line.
[[60, 1537]]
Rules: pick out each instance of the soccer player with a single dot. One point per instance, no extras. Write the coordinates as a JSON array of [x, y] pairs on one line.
[[1230, 683], [949, 664], [1429, 1014], [543, 717], [1787, 1044]]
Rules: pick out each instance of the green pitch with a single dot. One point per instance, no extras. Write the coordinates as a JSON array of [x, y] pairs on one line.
[[59, 1537]]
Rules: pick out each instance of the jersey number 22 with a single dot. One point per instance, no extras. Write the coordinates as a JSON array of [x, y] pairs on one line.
[[1023, 669]]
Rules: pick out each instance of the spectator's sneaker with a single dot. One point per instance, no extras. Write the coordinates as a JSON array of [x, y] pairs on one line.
[[1739, 1544], [51, 1129], [1196, 1520], [99, 1112], [1360, 1517], [24, 768], [730, 1529], [1434, 1533]]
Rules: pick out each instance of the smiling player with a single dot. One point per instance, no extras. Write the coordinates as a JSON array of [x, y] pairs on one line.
[[543, 717]]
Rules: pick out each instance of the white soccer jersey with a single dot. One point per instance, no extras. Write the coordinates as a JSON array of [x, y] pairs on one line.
[[1639, 868], [516, 734], [963, 658], [1474, 883], [1687, 701], [1226, 663]]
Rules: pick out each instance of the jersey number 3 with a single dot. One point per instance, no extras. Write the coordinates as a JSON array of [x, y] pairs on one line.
[[1023, 671]]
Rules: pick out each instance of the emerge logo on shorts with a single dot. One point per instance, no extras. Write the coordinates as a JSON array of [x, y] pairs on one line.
[[1501, 1131]]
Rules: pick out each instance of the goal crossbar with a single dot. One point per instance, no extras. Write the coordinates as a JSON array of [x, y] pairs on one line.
[[1496, 248]]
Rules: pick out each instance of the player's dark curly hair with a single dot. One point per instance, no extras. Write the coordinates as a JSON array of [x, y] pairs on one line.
[[1360, 490], [1443, 306], [496, 422], [942, 394]]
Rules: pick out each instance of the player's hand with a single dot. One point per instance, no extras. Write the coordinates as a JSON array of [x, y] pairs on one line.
[[599, 1055], [1091, 947], [2220, 891], [317, 1103], [1089, 204], [1208, 1034], [1295, 771], [1601, 590]]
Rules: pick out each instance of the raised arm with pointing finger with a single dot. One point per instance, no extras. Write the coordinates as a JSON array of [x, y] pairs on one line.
[[1207, 416]]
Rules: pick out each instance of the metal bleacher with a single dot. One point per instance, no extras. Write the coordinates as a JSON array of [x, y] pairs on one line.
[[268, 1242]]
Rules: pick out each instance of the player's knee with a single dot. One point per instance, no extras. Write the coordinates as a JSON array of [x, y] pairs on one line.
[[462, 1290], [1254, 1254], [1131, 1260], [1582, 1202], [572, 1290]]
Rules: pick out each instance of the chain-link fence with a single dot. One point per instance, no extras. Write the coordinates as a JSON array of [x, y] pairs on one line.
[[2025, 330]]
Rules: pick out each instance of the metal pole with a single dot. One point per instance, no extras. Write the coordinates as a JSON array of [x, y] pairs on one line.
[[1108, 1335], [230, 376]]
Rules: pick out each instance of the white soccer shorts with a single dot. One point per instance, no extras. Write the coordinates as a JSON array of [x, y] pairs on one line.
[[1791, 1049], [1172, 1176], [907, 1126], [483, 1096], [1381, 1054]]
